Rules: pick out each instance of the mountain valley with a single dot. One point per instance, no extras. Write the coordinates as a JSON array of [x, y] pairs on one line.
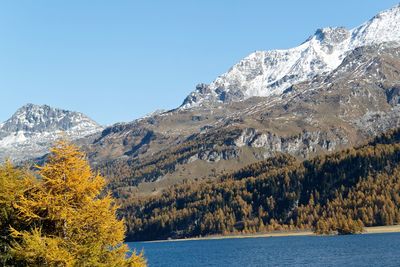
[[336, 90]]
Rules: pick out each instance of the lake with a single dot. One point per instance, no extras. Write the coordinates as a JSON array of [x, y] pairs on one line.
[[352, 250]]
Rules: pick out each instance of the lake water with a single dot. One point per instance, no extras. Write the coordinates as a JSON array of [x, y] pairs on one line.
[[354, 250]]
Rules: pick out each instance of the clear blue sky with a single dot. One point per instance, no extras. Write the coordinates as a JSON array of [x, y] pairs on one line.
[[119, 60]]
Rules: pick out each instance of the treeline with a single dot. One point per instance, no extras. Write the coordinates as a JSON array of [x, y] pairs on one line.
[[340, 192]]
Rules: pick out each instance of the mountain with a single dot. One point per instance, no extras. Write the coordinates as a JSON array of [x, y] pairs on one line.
[[269, 73], [33, 128], [334, 91], [355, 102]]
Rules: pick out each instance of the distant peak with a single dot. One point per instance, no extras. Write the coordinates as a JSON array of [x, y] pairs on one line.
[[34, 127], [43, 118], [332, 35], [388, 14], [30, 106], [382, 28], [394, 9]]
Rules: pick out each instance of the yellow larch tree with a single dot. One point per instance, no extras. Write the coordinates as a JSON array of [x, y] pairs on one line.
[[13, 182], [73, 222]]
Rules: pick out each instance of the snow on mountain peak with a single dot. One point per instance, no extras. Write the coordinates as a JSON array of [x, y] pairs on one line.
[[265, 73], [32, 128], [32, 118], [384, 27], [331, 35]]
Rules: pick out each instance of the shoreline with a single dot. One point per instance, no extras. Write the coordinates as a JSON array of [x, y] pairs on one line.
[[367, 230], [382, 229]]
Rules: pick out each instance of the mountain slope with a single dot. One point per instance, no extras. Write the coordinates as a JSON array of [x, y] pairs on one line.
[[32, 129], [340, 192], [358, 100]]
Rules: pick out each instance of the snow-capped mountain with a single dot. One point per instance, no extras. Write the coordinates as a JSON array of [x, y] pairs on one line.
[[33, 128], [337, 89], [267, 73]]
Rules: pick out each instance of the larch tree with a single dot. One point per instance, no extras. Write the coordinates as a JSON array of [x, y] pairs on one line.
[[13, 183], [72, 221]]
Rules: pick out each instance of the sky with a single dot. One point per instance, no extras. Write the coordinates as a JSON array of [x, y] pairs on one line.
[[120, 60]]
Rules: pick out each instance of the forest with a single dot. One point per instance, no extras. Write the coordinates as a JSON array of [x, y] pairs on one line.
[[338, 193]]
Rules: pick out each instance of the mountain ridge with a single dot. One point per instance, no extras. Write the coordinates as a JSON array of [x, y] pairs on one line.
[[328, 111], [269, 73], [359, 100]]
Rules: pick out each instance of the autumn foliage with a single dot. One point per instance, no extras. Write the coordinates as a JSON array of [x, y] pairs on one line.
[[338, 193], [62, 217]]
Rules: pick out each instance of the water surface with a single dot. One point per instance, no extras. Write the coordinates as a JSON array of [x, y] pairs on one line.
[[354, 250]]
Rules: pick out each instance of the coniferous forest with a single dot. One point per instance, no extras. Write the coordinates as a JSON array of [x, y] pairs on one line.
[[336, 193]]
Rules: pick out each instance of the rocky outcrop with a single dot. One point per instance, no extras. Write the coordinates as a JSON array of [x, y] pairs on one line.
[[303, 144]]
